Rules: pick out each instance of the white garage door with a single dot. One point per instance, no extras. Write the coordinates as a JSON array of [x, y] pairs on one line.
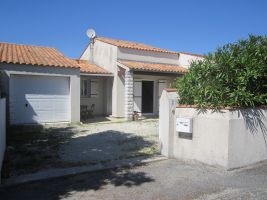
[[39, 99]]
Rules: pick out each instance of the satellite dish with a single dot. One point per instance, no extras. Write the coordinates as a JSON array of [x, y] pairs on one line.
[[91, 33]]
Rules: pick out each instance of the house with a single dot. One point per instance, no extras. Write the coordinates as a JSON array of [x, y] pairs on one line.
[[140, 73], [113, 77]]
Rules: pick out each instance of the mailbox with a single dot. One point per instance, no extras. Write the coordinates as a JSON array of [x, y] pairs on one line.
[[184, 125]]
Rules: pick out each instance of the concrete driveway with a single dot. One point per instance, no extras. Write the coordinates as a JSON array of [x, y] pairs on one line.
[[164, 180]]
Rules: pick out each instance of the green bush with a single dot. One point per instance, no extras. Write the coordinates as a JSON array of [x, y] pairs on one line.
[[235, 75]]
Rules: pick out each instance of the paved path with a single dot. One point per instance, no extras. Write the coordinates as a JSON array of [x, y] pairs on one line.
[[166, 180]]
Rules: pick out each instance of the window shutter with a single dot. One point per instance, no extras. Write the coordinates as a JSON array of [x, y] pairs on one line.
[[84, 88], [137, 95], [94, 88], [162, 86]]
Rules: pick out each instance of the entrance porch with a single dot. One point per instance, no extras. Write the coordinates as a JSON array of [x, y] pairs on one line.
[[146, 91], [96, 93]]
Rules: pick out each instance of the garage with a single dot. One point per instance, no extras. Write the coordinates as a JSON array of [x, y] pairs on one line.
[[40, 85], [39, 99]]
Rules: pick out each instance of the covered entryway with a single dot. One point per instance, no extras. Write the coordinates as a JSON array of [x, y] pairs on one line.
[[147, 96], [39, 99], [143, 96]]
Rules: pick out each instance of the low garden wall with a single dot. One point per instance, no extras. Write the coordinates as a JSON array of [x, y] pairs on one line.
[[227, 138], [2, 131]]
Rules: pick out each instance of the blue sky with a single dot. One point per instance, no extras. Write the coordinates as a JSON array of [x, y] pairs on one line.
[[190, 26]]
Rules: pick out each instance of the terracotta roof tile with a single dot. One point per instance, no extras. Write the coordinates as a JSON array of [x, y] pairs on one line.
[[171, 89], [153, 67], [34, 55], [133, 45], [88, 67], [193, 54]]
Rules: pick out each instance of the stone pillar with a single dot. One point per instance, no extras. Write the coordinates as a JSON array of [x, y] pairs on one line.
[[129, 101]]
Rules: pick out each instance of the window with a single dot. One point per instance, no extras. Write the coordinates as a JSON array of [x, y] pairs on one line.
[[84, 87], [89, 88]]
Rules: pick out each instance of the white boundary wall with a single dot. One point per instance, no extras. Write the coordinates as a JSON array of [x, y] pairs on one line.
[[2, 131], [230, 138]]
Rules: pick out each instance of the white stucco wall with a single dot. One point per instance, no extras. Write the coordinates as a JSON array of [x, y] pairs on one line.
[[210, 137], [109, 85], [230, 138], [104, 55], [147, 56], [247, 135], [72, 73], [118, 94], [186, 59]]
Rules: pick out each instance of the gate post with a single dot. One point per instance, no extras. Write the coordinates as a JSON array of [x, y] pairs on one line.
[[168, 101]]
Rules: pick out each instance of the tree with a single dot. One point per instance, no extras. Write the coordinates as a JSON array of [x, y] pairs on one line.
[[234, 75]]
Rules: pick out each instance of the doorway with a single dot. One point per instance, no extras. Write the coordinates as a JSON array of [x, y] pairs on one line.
[[147, 96]]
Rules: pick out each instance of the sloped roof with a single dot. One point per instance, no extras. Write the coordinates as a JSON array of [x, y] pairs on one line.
[[34, 55], [153, 67], [87, 67], [133, 45], [193, 54]]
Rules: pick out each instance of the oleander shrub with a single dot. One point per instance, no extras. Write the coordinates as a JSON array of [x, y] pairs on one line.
[[235, 75]]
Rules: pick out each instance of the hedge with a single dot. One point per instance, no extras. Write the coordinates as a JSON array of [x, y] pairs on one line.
[[235, 75]]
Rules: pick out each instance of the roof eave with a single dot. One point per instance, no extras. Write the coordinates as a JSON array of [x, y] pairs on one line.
[[96, 74], [39, 65], [158, 71]]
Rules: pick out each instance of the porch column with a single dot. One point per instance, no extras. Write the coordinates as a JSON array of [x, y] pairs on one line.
[[129, 101]]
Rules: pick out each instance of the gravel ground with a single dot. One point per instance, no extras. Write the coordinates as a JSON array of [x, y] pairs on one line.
[[164, 180], [42, 148], [104, 142]]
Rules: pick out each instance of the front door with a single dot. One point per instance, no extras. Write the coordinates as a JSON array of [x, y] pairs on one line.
[[147, 96]]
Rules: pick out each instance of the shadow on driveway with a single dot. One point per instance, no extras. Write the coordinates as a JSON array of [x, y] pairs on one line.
[[61, 188], [33, 149]]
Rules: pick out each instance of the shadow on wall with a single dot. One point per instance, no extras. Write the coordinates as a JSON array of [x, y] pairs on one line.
[[254, 121]]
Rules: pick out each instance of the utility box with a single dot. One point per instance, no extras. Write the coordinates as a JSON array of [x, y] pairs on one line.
[[184, 125]]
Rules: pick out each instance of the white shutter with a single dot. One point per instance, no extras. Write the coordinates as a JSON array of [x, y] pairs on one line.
[[162, 86], [137, 95], [94, 88]]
